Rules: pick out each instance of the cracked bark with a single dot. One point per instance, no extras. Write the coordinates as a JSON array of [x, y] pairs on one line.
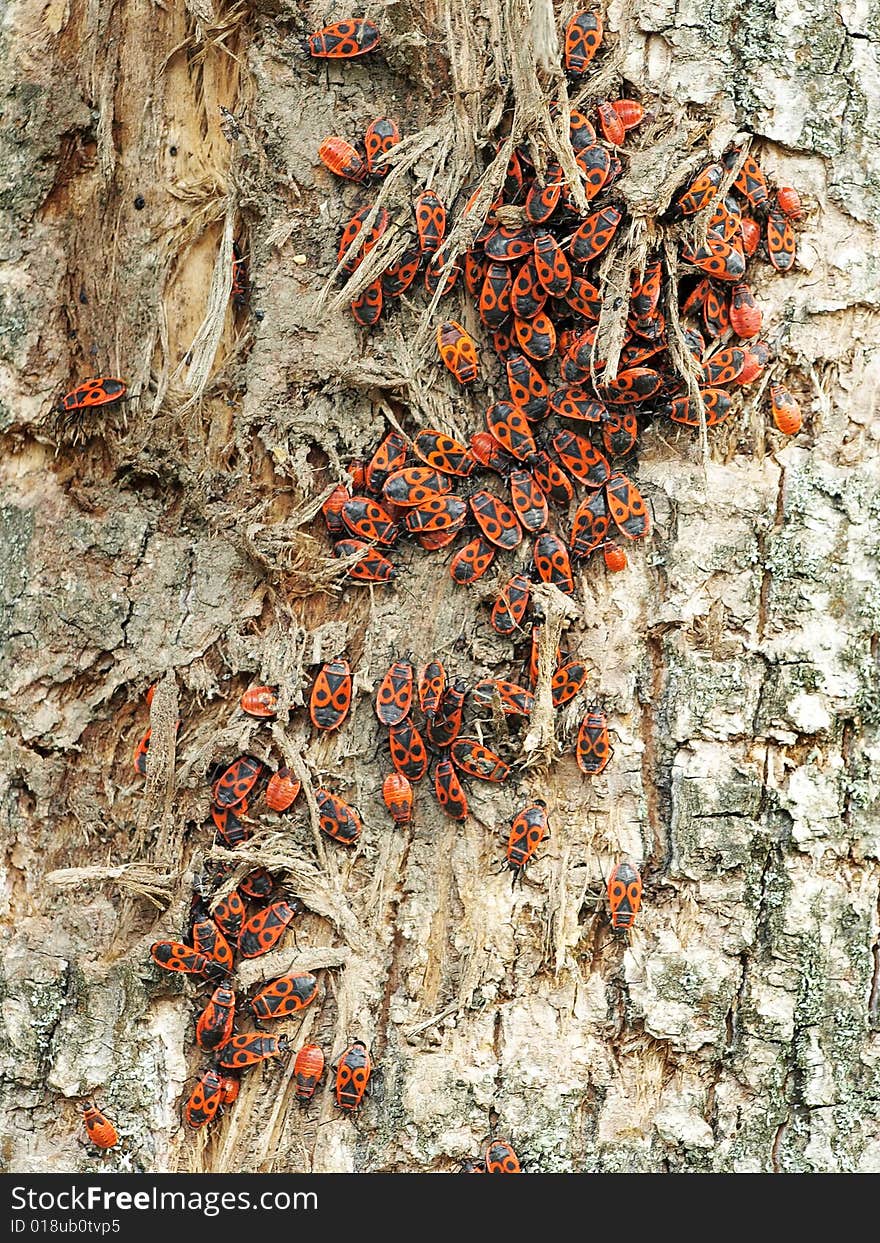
[[738, 658]]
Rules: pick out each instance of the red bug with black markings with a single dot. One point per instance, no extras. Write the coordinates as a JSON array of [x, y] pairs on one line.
[[394, 697], [510, 428], [230, 823], [529, 391], [627, 507], [353, 1070], [229, 915], [265, 929], [593, 748], [400, 274], [542, 200], [500, 1158], [286, 995], [511, 605], [535, 336], [581, 458], [204, 1100], [330, 700], [512, 699], [382, 136], [337, 819], [785, 409], [407, 749], [450, 792], [780, 240], [552, 562], [583, 36], [251, 1048], [567, 681], [368, 520], [432, 684], [494, 299], [389, 456], [595, 234], [700, 192], [258, 885], [437, 513], [528, 297], [447, 723], [367, 306], [471, 562], [344, 40], [101, 391], [590, 525], [624, 895], [442, 452], [529, 829], [430, 221], [208, 939], [413, 485], [214, 1026], [551, 479], [529, 502], [473, 758], [371, 566], [497, 521], [175, 956]]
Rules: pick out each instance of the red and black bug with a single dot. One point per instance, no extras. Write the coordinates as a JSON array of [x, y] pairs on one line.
[[175, 956], [571, 401], [511, 604], [785, 409], [382, 136], [204, 1100], [230, 1088], [413, 485], [590, 525], [581, 131], [529, 391], [215, 1022], [551, 479], [593, 749], [542, 200], [208, 939], [102, 391], [716, 403], [353, 231], [229, 914], [408, 752], [259, 701], [258, 885], [367, 306], [529, 502], [332, 509], [635, 385], [494, 299], [250, 1048], [720, 259], [284, 996], [551, 266], [239, 292], [510, 428], [716, 316], [595, 164], [645, 292], [353, 1071], [496, 520], [442, 453], [397, 795], [395, 694], [471, 562], [700, 192], [552, 562], [619, 433], [583, 35], [230, 824], [236, 782], [371, 566], [750, 180], [474, 272], [505, 245], [513, 700], [330, 700], [337, 819], [473, 758], [723, 367], [501, 1158], [399, 275], [527, 295], [264, 930], [528, 830], [568, 679], [342, 158], [437, 513], [139, 759], [344, 40], [536, 336], [432, 684], [440, 269], [307, 1071], [595, 234], [584, 298], [282, 790], [99, 1128], [624, 895], [449, 791], [446, 725], [430, 221], [613, 129], [389, 456], [744, 312], [581, 458], [627, 508], [368, 520], [780, 240]]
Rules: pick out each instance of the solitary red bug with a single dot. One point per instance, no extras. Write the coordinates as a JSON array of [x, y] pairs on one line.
[[528, 830], [352, 1075], [395, 694], [337, 819], [250, 1048], [342, 158], [103, 391], [624, 895], [204, 1100], [501, 1158], [786, 411], [286, 995], [259, 701], [264, 930], [282, 790], [330, 700], [99, 1128], [593, 749], [344, 40], [307, 1071], [397, 794], [215, 1022], [583, 35]]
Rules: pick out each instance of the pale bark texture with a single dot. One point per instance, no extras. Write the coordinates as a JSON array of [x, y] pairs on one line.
[[173, 540]]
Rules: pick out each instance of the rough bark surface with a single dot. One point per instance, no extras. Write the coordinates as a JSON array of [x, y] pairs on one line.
[[171, 541]]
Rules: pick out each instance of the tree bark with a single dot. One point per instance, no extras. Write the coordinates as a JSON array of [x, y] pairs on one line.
[[172, 540]]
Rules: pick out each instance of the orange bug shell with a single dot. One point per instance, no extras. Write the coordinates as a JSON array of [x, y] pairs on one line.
[[282, 790], [397, 794], [352, 1075], [500, 1158], [630, 112], [261, 700], [527, 832], [342, 158], [229, 1089], [624, 895], [99, 1128], [307, 1071], [786, 411], [614, 558], [789, 202]]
